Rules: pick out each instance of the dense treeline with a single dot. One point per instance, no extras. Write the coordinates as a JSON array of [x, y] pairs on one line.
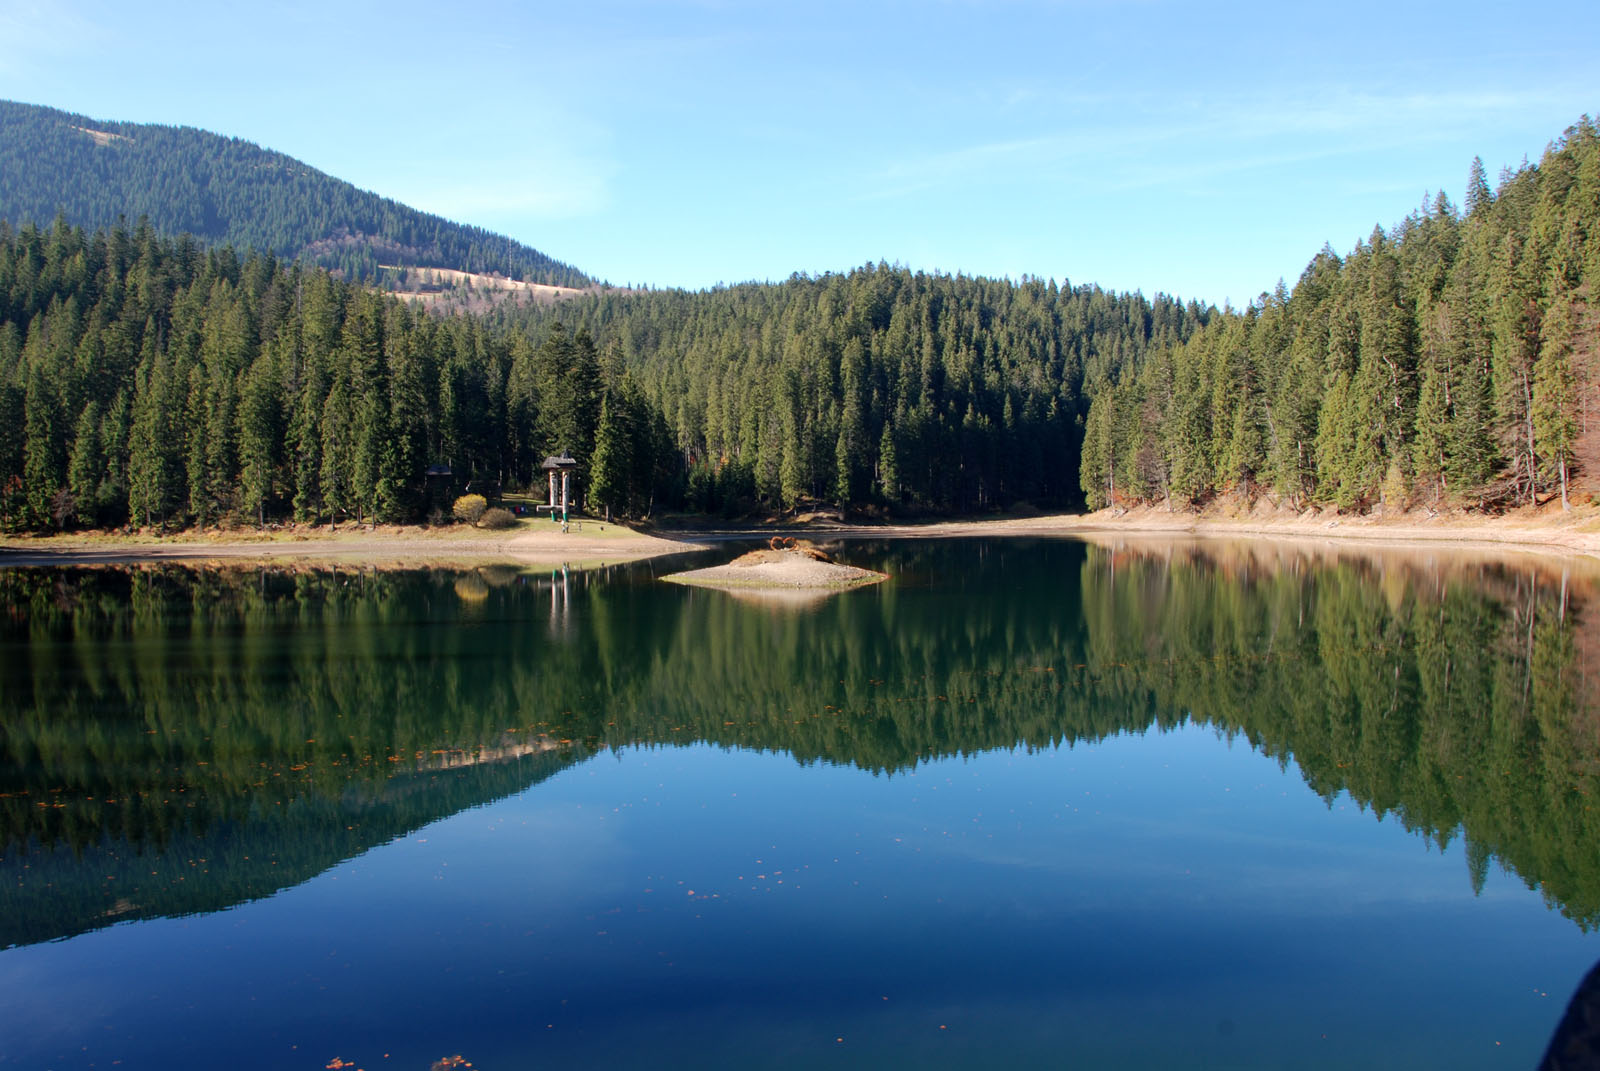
[[152, 382], [1454, 358], [236, 716], [148, 381], [1451, 358], [227, 191], [881, 386]]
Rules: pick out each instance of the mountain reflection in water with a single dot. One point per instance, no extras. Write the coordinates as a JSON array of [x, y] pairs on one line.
[[177, 740]]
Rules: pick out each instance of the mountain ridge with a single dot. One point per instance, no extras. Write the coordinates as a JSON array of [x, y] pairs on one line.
[[228, 190]]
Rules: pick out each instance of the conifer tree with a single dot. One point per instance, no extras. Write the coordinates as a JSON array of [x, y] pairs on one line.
[[86, 466], [888, 467], [843, 465], [405, 457], [44, 452], [201, 506], [1554, 396], [1096, 466], [1187, 433], [259, 436], [1430, 434], [153, 460], [371, 438], [1478, 196], [611, 462], [793, 475], [1339, 479], [334, 479], [305, 441], [1516, 333]]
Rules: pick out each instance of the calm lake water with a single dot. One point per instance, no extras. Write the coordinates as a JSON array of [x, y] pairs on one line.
[[1037, 803]]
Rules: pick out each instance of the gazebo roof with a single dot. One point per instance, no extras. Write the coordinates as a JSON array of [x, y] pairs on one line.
[[562, 462]]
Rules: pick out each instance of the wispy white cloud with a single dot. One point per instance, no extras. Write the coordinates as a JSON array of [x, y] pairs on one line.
[[1346, 111], [1163, 140]]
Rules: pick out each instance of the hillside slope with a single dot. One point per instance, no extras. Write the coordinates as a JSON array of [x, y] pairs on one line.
[[225, 190], [1452, 360]]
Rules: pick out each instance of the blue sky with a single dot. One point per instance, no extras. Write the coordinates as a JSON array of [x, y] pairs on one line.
[[1199, 150]]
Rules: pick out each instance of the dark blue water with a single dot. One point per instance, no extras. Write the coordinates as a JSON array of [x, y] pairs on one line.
[[1037, 804]]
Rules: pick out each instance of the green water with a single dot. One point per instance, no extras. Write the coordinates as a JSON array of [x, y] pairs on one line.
[[1029, 801]]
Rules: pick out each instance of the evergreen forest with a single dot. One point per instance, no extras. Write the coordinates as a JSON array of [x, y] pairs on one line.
[[149, 381], [1451, 360], [883, 387], [226, 191]]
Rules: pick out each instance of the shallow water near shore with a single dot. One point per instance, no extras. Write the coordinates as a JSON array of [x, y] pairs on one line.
[[1030, 801]]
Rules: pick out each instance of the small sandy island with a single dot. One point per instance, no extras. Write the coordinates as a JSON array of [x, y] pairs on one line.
[[782, 570]]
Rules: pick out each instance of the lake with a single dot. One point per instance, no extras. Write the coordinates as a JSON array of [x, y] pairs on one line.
[[1045, 803]]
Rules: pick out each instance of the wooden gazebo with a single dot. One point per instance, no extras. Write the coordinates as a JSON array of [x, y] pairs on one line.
[[563, 465]]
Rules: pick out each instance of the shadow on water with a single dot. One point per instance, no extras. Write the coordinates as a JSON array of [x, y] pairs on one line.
[[1575, 1046], [176, 740]]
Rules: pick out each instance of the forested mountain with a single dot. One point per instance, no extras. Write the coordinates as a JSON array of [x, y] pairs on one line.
[[145, 380], [1452, 359], [227, 191], [1455, 357], [884, 386]]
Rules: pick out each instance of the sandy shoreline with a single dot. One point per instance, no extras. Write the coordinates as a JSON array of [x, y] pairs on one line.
[[1577, 533], [606, 544]]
